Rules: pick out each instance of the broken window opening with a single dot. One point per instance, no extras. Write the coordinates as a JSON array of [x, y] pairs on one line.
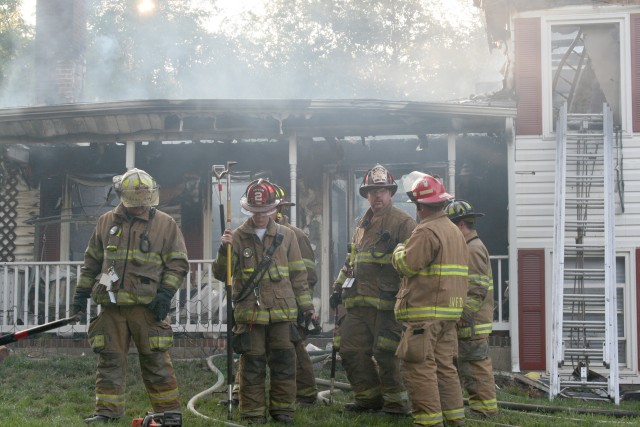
[[585, 67]]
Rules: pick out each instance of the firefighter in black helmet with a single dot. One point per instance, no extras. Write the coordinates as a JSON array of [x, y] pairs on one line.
[[474, 363], [367, 286]]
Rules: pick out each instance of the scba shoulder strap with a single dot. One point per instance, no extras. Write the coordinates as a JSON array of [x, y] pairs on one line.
[[261, 269]]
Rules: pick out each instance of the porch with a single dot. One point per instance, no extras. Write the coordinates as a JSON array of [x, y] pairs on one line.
[[34, 293]]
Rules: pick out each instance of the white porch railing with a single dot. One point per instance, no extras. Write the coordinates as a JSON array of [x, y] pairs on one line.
[[34, 293], [499, 263]]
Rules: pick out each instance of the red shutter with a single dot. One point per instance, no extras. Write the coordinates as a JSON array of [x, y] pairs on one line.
[[638, 298], [635, 70], [531, 309], [528, 74]]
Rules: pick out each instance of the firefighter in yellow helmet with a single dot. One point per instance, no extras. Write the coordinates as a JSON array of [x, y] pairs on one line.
[[134, 263], [269, 289], [434, 263], [474, 363], [367, 286]]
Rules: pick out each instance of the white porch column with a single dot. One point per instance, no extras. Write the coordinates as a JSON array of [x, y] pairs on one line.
[[451, 161], [293, 174], [130, 155]]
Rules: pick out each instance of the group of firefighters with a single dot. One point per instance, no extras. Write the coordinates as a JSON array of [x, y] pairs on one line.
[[417, 297]]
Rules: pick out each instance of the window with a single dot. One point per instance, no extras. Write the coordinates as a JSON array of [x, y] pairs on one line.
[[89, 197], [584, 68]]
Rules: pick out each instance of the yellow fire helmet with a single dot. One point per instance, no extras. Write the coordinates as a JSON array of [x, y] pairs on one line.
[[136, 188]]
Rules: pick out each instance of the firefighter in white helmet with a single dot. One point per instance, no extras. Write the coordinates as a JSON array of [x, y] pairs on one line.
[[134, 263], [367, 285], [434, 263], [269, 288], [474, 363]]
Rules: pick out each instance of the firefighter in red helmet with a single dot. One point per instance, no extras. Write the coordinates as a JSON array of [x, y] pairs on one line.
[[367, 286], [434, 264], [474, 363], [306, 388], [269, 288]]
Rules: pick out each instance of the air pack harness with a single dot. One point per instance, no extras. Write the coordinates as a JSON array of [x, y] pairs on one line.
[[253, 284]]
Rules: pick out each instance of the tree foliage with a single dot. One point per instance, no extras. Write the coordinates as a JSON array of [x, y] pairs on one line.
[[389, 49], [400, 49], [16, 55]]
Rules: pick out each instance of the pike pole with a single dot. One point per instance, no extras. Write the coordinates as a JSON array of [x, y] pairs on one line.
[[219, 172], [10, 338]]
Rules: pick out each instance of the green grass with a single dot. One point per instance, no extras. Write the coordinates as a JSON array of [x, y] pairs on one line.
[[59, 391]]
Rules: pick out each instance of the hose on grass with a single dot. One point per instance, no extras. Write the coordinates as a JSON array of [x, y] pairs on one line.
[[320, 356], [218, 386]]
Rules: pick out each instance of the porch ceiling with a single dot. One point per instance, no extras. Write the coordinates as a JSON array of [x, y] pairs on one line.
[[224, 120]]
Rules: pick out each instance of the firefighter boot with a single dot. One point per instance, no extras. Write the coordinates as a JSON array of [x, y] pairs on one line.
[[97, 419]]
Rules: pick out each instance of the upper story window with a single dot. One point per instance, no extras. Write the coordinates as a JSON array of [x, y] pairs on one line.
[[585, 64], [585, 67]]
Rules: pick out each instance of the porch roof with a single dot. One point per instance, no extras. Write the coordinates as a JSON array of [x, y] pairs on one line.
[[229, 119]]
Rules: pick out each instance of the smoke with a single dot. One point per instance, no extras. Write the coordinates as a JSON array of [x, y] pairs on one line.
[[414, 50]]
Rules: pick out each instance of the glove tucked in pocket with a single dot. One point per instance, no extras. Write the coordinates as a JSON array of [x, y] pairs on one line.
[[241, 339], [414, 345]]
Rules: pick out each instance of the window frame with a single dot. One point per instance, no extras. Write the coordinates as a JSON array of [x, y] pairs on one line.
[[623, 21]]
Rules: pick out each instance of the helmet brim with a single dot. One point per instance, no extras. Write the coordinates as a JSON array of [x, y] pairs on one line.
[[434, 200], [365, 189], [251, 210], [462, 217], [131, 201]]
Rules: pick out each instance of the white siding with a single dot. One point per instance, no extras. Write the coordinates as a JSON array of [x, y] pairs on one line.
[[628, 223], [535, 189]]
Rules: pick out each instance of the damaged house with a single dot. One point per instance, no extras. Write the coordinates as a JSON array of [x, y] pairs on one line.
[[563, 58], [573, 67], [58, 160]]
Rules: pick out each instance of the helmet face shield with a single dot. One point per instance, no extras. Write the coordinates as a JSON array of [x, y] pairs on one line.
[[136, 188]]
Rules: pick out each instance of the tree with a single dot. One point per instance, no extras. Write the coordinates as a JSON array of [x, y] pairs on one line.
[[394, 49], [16, 56]]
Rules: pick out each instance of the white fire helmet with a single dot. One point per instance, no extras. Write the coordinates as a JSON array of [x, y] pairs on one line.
[[136, 188]]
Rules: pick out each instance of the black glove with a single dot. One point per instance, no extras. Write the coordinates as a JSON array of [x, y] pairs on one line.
[[335, 299], [79, 304], [161, 304]]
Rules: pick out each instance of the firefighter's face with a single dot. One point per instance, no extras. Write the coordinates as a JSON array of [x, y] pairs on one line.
[[260, 221], [379, 198], [136, 211]]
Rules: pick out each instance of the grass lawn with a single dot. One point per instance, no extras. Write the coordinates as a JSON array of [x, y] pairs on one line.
[[59, 391]]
